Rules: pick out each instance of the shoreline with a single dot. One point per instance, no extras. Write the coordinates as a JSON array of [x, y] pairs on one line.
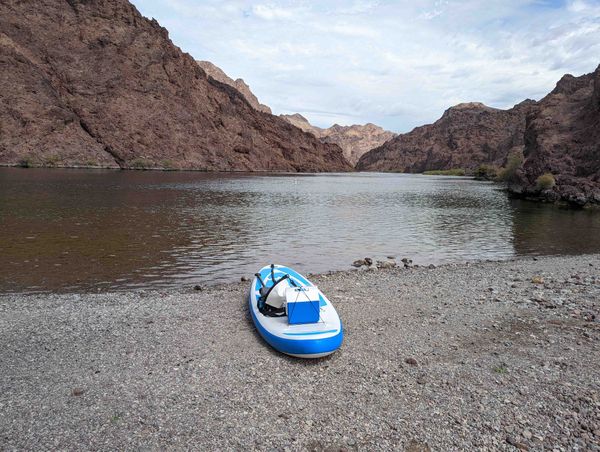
[[492, 355], [244, 280], [543, 198]]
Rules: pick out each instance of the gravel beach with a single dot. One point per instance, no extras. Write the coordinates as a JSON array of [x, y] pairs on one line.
[[484, 356]]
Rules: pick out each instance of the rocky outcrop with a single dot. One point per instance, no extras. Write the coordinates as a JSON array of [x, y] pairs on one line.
[[354, 140], [239, 84], [562, 138], [466, 136], [96, 84], [559, 137], [302, 123]]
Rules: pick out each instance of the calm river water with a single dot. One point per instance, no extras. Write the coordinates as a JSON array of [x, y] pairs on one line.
[[87, 230]]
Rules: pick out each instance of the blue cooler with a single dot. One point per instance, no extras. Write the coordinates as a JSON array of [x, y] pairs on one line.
[[302, 305]]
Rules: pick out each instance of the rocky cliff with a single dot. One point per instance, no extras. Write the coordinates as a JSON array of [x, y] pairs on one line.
[[466, 136], [239, 84], [93, 83], [562, 138], [354, 140], [559, 137], [302, 123]]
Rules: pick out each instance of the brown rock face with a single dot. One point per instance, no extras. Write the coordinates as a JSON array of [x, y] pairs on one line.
[[239, 84], [466, 136], [563, 138], [302, 123], [93, 83], [354, 140]]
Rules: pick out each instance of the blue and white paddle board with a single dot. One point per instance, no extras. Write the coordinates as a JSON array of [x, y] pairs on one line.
[[309, 340]]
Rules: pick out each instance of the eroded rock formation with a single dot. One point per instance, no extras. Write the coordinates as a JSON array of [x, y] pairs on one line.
[[562, 138], [239, 84], [355, 140], [466, 136], [96, 84]]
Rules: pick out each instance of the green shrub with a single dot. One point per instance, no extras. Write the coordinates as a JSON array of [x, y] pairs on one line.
[[513, 163], [448, 172], [545, 182], [501, 369], [486, 172], [140, 164]]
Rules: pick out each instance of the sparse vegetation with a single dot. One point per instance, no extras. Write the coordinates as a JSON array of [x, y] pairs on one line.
[[140, 164], [486, 172], [545, 182], [90, 163], [25, 163], [167, 165], [513, 163], [51, 161], [448, 172], [501, 369]]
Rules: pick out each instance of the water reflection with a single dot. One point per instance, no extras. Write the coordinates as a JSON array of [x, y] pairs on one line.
[[87, 230], [550, 230]]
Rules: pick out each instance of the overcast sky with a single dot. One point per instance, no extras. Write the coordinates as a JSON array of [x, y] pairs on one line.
[[398, 64]]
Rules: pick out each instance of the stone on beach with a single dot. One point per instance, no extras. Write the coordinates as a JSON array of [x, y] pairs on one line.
[[427, 352], [367, 261]]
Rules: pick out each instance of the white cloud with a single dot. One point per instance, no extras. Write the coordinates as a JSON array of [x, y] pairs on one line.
[[396, 63], [271, 12]]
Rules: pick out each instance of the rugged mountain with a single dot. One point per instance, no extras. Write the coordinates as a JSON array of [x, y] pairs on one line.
[[302, 123], [562, 138], [466, 136], [239, 84], [93, 83], [355, 140]]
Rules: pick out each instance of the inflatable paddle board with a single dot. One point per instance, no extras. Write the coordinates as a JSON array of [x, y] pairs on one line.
[[292, 314]]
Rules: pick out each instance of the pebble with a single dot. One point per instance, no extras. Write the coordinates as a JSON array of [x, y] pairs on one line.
[[121, 350], [367, 261], [514, 442]]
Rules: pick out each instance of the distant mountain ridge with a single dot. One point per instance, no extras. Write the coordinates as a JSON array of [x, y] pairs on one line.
[[354, 140], [94, 83]]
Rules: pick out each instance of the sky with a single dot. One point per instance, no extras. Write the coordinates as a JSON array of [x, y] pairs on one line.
[[398, 64]]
